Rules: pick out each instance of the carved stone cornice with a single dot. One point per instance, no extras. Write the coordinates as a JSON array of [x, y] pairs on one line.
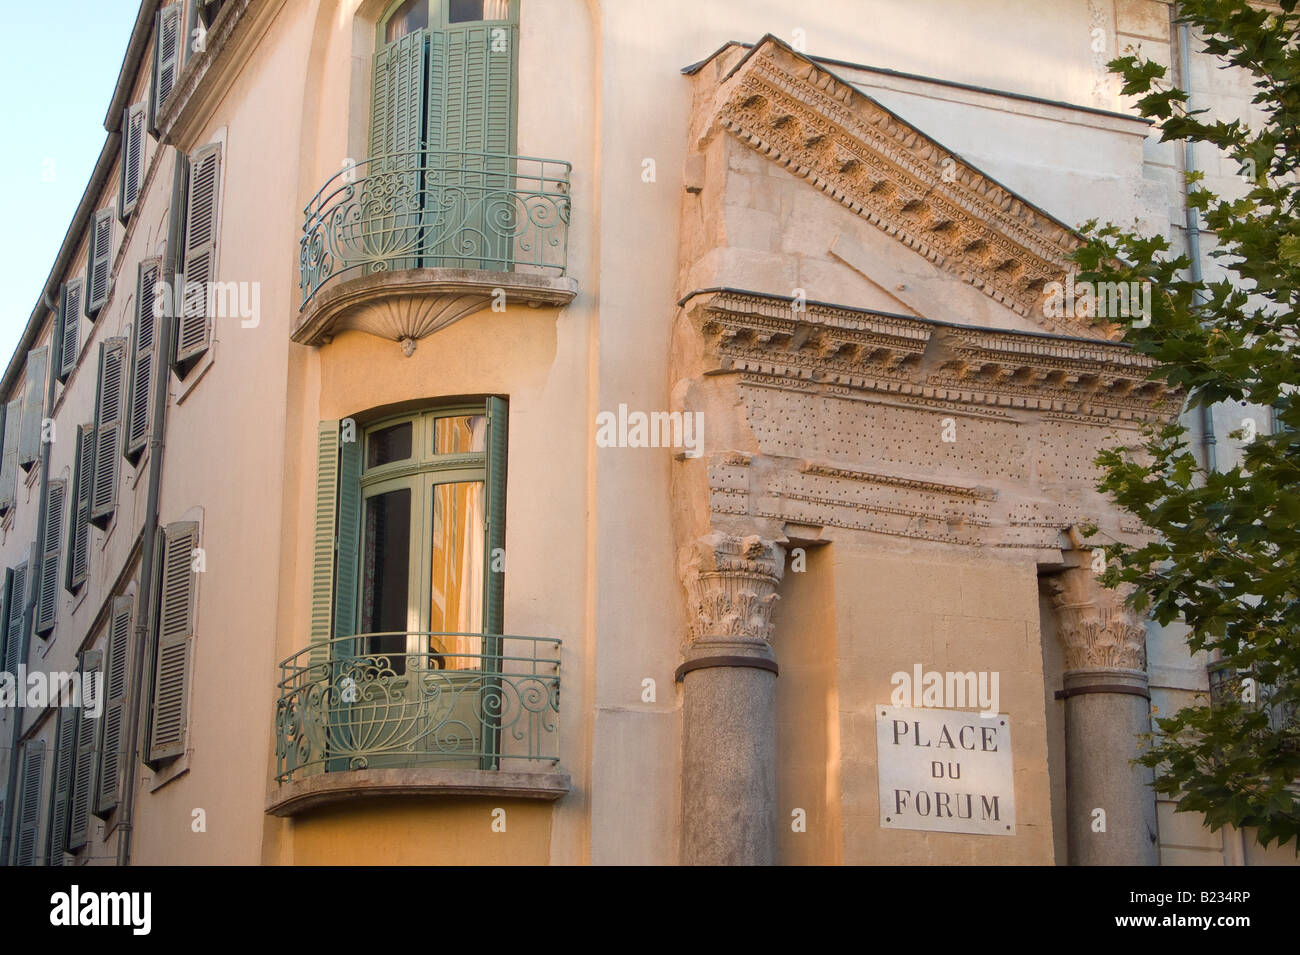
[[1098, 631], [821, 128], [919, 359], [731, 586]]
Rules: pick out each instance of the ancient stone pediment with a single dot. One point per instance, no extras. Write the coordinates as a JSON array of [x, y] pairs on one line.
[[820, 128]]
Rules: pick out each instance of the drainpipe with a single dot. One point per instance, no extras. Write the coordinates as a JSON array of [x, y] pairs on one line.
[[144, 593], [33, 577], [1208, 441]]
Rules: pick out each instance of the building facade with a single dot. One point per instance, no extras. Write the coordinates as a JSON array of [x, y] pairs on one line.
[[560, 431]]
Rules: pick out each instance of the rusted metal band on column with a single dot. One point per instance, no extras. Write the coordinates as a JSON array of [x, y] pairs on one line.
[[757, 663], [1103, 688]]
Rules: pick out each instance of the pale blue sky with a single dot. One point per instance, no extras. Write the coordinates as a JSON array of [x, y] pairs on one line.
[[53, 122]]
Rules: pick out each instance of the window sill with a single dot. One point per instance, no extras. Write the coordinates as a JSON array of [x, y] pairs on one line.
[[327, 788], [196, 374], [177, 768]]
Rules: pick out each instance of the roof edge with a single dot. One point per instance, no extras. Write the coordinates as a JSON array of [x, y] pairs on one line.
[[903, 74], [71, 239], [135, 50]]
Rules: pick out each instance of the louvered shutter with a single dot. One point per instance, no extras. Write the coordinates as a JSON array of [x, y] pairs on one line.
[[175, 628], [4, 625], [108, 422], [494, 581], [131, 163], [9, 456], [194, 323], [69, 343], [349, 543], [397, 138], [498, 440], [83, 777], [98, 261], [167, 41], [29, 439], [142, 353], [110, 744], [397, 100], [47, 601], [79, 515], [65, 758], [476, 86], [29, 815], [15, 632], [322, 574]]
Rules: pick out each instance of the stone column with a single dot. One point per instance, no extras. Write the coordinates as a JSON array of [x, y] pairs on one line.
[[1107, 704], [728, 710]]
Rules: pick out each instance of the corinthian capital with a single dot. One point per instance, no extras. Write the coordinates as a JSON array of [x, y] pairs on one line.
[[1097, 629], [731, 584]]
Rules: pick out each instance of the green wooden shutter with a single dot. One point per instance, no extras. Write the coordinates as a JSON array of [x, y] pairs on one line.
[[175, 628], [397, 97], [98, 261], [132, 160], [194, 322], [83, 777], [167, 43], [494, 582], [79, 515], [47, 600], [65, 757], [477, 88], [9, 456], [29, 808], [397, 142], [108, 426], [29, 438], [349, 539], [69, 340], [471, 120], [323, 540], [110, 743], [498, 439], [142, 352]]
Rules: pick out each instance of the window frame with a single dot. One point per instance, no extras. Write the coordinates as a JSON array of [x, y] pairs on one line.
[[421, 472]]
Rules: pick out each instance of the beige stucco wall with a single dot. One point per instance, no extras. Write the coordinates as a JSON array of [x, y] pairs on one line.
[[592, 558]]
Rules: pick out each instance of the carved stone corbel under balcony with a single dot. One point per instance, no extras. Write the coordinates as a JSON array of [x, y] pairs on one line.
[[415, 303]]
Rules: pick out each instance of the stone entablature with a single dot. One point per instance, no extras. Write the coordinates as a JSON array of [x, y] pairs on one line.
[[832, 345], [822, 129], [835, 417]]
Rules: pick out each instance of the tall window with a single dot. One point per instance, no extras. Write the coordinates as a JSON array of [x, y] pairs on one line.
[[442, 130], [424, 538], [414, 507]]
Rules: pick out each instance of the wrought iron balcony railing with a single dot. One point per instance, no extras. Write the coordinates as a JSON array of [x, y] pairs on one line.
[[418, 700], [437, 210]]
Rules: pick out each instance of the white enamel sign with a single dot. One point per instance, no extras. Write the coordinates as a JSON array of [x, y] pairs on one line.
[[945, 770]]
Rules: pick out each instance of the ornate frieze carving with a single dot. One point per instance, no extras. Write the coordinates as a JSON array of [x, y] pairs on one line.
[[800, 115], [731, 585], [1097, 629], [913, 358]]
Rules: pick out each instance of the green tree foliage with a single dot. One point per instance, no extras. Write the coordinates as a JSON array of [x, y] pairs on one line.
[[1226, 561]]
